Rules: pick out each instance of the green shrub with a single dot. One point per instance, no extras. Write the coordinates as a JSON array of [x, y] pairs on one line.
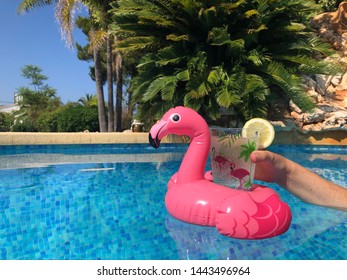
[[207, 55], [48, 122], [24, 125], [6, 121], [77, 118]]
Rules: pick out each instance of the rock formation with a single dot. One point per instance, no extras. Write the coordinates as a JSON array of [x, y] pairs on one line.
[[329, 92], [332, 26]]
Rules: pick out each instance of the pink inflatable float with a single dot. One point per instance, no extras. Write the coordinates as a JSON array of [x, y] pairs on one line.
[[194, 198]]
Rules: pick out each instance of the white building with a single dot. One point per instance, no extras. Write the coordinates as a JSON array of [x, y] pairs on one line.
[[9, 108]]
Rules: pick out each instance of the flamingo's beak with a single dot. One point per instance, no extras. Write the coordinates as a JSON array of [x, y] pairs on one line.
[[157, 133], [155, 142]]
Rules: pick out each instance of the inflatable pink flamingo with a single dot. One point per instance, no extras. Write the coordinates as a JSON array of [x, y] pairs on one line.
[[194, 199]]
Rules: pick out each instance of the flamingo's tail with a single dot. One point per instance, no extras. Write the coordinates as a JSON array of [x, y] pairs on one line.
[[245, 217]]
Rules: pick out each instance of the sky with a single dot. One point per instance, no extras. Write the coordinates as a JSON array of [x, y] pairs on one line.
[[34, 38]]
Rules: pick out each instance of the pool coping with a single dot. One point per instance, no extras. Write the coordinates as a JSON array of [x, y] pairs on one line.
[[42, 138]]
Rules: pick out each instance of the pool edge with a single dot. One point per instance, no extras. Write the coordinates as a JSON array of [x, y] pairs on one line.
[[42, 138]]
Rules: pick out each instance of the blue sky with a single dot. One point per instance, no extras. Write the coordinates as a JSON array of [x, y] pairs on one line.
[[34, 38]]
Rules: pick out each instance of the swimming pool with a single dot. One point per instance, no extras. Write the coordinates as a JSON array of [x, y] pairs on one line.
[[107, 202]]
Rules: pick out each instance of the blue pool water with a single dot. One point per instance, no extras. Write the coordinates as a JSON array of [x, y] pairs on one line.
[[107, 202]]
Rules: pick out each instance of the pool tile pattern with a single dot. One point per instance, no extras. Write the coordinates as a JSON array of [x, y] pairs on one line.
[[115, 209]]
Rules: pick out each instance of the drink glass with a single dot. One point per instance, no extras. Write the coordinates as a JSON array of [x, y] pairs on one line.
[[230, 158]]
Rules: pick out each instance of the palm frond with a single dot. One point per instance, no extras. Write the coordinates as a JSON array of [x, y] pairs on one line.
[[230, 6], [147, 63], [295, 27], [289, 83], [28, 5], [183, 75], [309, 65], [168, 90], [192, 102], [171, 55], [250, 13], [220, 37], [226, 97], [134, 44], [176, 38], [153, 90], [165, 85], [257, 57], [226, 87], [212, 54], [65, 14], [97, 39]]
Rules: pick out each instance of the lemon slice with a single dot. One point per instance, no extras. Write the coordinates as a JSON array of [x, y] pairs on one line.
[[261, 127]]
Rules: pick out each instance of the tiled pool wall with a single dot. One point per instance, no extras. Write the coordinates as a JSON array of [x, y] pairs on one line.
[[146, 148], [309, 148], [30, 156], [25, 156], [91, 148]]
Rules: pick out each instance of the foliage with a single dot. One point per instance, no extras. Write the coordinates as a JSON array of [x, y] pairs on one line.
[[329, 5], [33, 73], [88, 100], [6, 121], [211, 54], [65, 14], [48, 121], [37, 100], [85, 53], [27, 5], [24, 125], [78, 118]]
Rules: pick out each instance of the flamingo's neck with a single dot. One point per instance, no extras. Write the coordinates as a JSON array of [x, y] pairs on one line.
[[194, 162]]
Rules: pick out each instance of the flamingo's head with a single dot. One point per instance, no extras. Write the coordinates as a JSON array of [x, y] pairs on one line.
[[180, 121]]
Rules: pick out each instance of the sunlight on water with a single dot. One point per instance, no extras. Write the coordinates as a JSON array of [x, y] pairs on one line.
[[104, 204]]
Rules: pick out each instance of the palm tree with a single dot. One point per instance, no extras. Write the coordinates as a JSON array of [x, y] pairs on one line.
[[101, 18], [99, 90], [89, 99], [212, 54], [65, 14], [101, 37], [119, 89], [114, 60], [116, 67]]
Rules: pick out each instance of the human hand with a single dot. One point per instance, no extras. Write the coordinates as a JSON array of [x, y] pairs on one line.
[[298, 180], [270, 167]]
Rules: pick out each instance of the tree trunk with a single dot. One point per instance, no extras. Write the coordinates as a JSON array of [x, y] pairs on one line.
[[99, 91], [119, 91], [131, 104], [110, 85], [130, 107]]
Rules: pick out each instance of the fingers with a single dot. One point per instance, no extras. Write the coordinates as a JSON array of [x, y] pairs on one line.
[[259, 156]]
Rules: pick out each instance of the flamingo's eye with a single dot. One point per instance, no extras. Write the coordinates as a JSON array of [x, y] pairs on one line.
[[175, 118]]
